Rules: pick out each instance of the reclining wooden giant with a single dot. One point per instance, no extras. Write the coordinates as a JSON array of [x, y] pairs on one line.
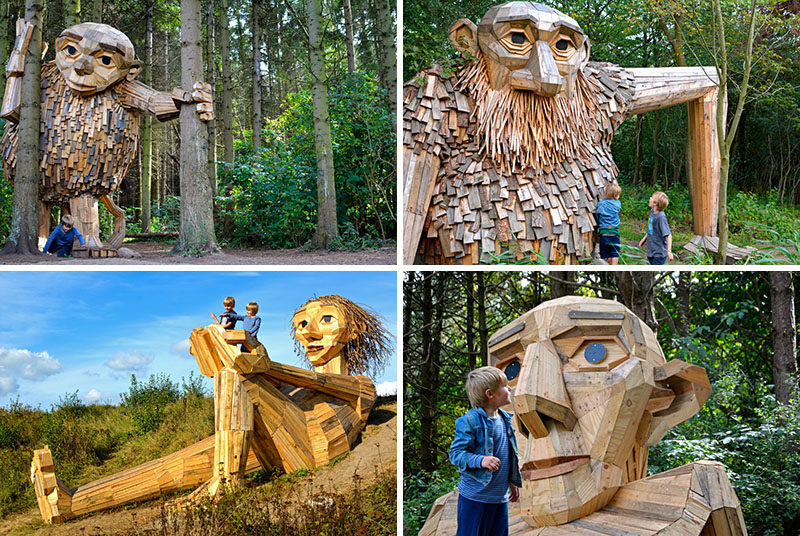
[[592, 392], [513, 152], [267, 414]]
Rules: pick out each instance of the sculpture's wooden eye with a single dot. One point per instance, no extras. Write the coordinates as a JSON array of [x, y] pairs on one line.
[[512, 370], [518, 38], [71, 50], [105, 60], [327, 319], [304, 323], [562, 44]]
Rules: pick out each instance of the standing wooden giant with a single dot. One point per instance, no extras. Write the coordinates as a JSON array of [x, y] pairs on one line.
[[267, 414], [592, 393], [513, 151], [91, 108]]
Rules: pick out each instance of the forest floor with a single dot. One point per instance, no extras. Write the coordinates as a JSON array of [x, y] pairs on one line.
[[374, 457], [154, 252]]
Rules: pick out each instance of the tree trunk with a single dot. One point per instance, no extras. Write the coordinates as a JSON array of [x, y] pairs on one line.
[[560, 284], [72, 13], [197, 218], [684, 292], [469, 294], [256, 76], [784, 333], [147, 123], [636, 292], [227, 100], [429, 384], [327, 229], [483, 330], [211, 76], [637, 169], [348, 30], [23, 235], [656, 125], [387, 52]]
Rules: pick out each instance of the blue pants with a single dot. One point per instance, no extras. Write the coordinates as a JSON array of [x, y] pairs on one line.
[[61, 251], [481, 519], [657, 259], [609, 246]]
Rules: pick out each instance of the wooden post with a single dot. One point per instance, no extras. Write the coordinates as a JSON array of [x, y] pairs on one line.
[[705, 163], [85, 213]]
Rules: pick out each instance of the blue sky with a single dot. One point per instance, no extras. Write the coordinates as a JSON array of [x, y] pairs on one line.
[[89, 331]]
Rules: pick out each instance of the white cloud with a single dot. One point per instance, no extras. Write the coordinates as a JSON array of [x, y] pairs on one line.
[[15, 363], [181, 348], [135, 361], [93, 396], [7, 385], [386, 388]]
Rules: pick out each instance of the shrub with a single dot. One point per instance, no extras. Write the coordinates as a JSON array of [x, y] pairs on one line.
[[145, 403], [420, 491]]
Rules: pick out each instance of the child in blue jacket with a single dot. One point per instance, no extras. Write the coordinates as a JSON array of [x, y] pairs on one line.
[[485, 451], [61, 239]]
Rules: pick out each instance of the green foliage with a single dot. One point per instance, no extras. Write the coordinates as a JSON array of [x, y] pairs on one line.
[[165, 216], [193, 387], [146, 402], [420, 490], [270, 197], [6, 198]]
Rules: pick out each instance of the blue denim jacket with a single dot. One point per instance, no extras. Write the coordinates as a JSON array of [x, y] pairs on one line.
[[474, 436]]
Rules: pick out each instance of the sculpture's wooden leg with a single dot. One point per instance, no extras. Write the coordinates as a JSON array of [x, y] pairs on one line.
[[704, 163], [185, 469], [116, 239], [234, 427], [87, 219], [44, 222]]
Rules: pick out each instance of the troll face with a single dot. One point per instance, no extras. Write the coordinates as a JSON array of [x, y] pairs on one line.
[[592, 391], [321, 329], [92, 57], [526, 45]]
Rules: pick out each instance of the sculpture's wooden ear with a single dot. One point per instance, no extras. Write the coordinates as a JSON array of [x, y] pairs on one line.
[[134, 70], [464, 36], [689, 388]]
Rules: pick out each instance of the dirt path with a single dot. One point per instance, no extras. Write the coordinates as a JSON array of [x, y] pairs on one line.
[[159, 253], [376, 454]]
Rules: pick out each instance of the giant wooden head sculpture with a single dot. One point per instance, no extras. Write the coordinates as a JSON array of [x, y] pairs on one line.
[[92, 57], [334, 328], [592, 392], [529, 46]]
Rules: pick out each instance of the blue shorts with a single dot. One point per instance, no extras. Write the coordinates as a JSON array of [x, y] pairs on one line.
[[657, 259], [609, 246], [481, 519]]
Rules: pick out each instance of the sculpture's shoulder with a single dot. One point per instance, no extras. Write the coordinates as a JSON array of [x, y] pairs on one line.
[[614, 86]]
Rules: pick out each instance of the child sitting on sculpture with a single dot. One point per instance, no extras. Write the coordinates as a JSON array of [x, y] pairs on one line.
[[608, 210], [225, 319], [251, 322], [485, 451], [62, 237], [659, 236]]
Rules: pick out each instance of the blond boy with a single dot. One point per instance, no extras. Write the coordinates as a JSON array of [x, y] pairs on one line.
[[659, 236]]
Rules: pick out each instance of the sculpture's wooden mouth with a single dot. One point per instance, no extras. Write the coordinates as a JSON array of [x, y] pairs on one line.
[[559, 466]]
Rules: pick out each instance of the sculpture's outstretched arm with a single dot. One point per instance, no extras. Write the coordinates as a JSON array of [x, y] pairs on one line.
[[14, 68], [166, 106]]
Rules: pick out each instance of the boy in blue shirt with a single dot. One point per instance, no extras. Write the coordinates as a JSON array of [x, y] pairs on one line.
[[61, 239], [251, 322], [485, 451], [226, 319], [608, 210], [659, 236]]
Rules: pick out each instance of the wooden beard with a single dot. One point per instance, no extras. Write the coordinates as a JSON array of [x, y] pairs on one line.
[[519, 172]]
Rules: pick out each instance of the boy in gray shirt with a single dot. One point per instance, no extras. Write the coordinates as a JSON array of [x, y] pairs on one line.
[[658, 237]]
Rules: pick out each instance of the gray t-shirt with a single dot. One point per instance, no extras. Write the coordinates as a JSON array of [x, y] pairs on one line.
[[657, 233]]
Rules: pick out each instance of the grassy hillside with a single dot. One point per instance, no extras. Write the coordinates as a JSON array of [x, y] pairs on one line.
[[159, 417]]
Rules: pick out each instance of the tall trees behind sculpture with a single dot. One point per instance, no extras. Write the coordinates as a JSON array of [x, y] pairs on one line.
[[23, 231], [364, 144], [722, 321]]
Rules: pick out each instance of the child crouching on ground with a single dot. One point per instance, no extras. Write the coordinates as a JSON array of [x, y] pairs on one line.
[[608, 210], [61, 239], [485, 451]]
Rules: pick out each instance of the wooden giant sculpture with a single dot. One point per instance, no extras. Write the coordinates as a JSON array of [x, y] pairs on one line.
[[591, 393], [91, 107], [514, 150], [267, 414]]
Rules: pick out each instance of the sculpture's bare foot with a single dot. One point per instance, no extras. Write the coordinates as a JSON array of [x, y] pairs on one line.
[[54, 498]]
